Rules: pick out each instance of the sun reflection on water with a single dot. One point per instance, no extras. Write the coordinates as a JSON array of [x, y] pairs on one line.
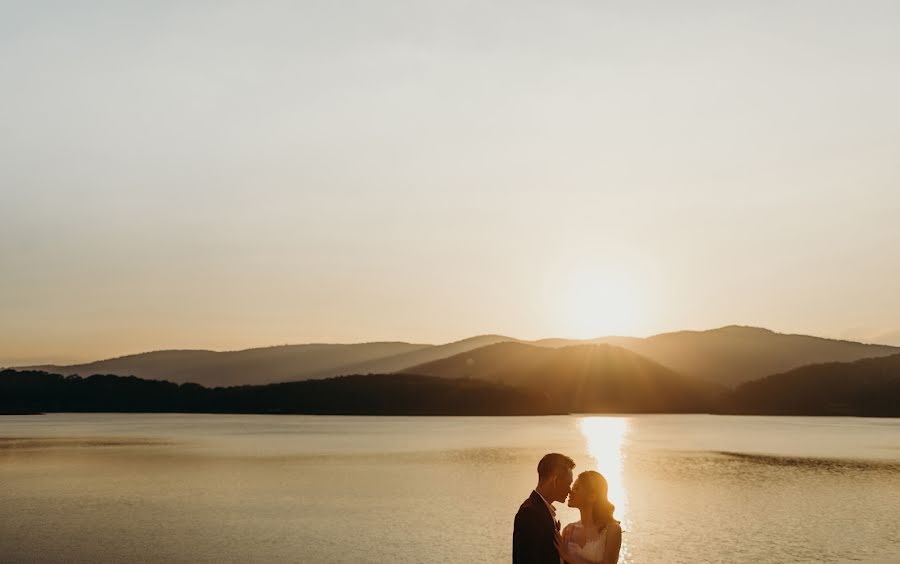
[[604, 441], [605, 437]]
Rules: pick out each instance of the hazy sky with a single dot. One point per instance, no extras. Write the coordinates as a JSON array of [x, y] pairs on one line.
[[225, 175]]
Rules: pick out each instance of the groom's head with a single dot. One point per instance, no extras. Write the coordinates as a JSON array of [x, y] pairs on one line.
[[555, 476]]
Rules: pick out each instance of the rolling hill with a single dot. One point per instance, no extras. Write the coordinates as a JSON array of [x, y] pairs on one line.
[[735, 354], [251, 366], [581, 378], [399, 362], [868, 387]]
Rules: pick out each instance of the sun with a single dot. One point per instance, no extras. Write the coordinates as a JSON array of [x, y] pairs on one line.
[[600, 303]]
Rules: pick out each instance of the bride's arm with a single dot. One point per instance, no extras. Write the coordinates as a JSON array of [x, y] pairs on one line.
[[613, 543]]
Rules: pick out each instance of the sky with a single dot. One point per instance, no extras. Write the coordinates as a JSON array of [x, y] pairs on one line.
[[224, 175]]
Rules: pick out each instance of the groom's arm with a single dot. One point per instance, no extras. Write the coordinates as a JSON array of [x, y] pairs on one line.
[[527, 538]]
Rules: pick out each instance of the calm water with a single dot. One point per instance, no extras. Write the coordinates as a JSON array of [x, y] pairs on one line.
[[250, 488]]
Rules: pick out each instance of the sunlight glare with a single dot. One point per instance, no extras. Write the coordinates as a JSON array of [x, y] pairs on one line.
[[604, 437], [601, 303]]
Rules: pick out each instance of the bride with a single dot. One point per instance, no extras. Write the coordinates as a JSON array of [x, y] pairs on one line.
[[597, 537]]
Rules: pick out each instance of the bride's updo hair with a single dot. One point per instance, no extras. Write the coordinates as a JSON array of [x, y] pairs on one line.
[[597, 490]]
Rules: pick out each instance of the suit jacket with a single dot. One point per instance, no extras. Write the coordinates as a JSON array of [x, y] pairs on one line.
[[533, 533]]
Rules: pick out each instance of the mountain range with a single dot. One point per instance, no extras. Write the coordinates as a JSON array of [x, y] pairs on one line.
[[728, 356], [500, 379]]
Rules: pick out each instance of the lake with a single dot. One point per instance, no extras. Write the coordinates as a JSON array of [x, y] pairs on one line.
[[258, 488]]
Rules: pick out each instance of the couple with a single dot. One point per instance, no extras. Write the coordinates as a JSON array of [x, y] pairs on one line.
[[595, 539]]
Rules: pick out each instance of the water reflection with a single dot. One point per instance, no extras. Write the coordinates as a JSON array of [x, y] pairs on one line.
[[604, 441], [605, 437]]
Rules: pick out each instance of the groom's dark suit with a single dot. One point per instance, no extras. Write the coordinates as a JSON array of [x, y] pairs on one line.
[[533, 533]]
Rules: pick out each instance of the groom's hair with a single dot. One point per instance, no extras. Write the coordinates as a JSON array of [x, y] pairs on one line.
[[553, 463]]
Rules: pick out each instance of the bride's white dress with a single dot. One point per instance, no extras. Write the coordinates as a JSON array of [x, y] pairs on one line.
[[592, 550]]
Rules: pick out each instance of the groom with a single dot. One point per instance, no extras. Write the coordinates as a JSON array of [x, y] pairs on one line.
[[535, 523]]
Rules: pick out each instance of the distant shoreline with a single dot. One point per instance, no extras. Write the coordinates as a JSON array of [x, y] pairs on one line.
[[867, 388]]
